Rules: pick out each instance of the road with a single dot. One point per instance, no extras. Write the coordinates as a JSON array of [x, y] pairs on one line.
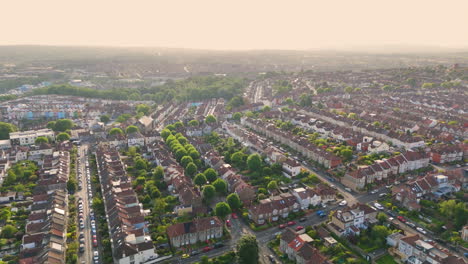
[[87, 256]]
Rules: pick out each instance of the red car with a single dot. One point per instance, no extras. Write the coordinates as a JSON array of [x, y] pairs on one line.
[[282, 226], [401, 218], [206, 249], [298, 228], [228, 223], [233, 215], [291, 223], [94, 243]]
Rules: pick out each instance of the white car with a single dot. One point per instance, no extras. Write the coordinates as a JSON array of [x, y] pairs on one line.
[[343, 203], [378, 206], [374, 191], [420, 230]]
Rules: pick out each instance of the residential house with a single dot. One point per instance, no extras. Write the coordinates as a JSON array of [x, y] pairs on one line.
[[198, 230]]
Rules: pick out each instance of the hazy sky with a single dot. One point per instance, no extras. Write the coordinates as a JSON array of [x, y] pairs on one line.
[[235, 24]]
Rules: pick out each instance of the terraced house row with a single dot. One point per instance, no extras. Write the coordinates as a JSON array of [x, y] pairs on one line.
[[130, 239], [300, 144], [45, 235]]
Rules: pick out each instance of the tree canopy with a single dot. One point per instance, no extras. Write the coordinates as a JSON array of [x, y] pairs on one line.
[[40, 140], [115, 131], [209, 192], [199, 179], [105, 119], [254, 161], [211, 174], [62, 125], [234, 201], [210, 119], [222, 210], [132, 129], [247, 250], [63, 137], [5, 129]]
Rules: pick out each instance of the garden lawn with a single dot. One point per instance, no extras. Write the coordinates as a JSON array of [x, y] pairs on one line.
[[386, 259]]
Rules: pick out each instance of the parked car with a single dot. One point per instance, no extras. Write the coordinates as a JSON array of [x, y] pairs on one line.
[[95, 243], [343, 203], [401, 218], [228, 223], [303, 219], [348, 189], [184, 256], [234, 215], [272, 259], [218, 245], [411, 224], [378, 206], [374, 191], [299, 228], [382, 195], [291, 223], [207, 248], [194, 253], [282, 226]]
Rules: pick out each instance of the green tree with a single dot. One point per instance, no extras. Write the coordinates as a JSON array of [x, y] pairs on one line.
[[71, 185], [193, 123], [63, 137], [220, 186], [237, 116], [158, 173], [254, 162], [191, 169], [208, 192], [200, 179], [105, 119], [237, 158], [185, 160], [348, 89], [165, 133], [194, 154], [123, 117], [132, 129], [352, 116], [115, 131], [234, 201], [210, 119], [63, 125], [40, 140], [347, 154], [305, 100], [381, 217], [211, 174], [6, 129], [159, 208], [272, 185], [51, 125], [141, 164], [222, 210], [247, 250], [143, 108], [178, 125], [8, 231]]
